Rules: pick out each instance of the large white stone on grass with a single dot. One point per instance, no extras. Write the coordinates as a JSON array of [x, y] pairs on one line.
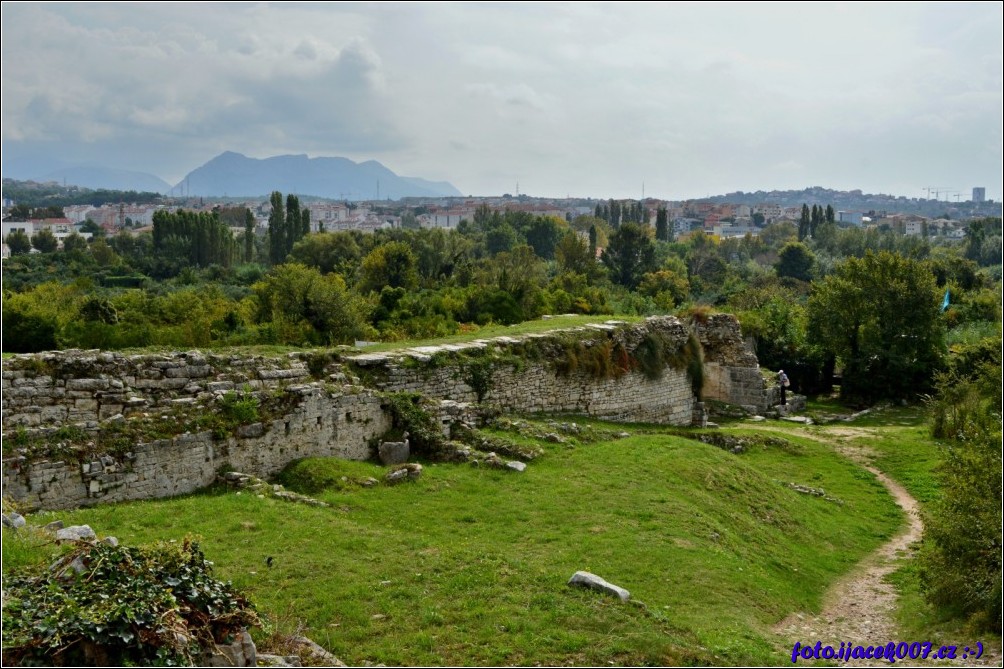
[[585, 579]]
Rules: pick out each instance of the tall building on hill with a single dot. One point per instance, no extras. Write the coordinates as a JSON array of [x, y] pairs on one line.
[[979, 194]]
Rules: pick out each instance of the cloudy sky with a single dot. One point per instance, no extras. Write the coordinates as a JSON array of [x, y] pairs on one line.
[[580, 99]]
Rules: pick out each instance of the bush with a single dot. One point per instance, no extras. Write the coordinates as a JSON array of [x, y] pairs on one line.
[[425, 436], [124, 607], [960, 560], [239, 408]]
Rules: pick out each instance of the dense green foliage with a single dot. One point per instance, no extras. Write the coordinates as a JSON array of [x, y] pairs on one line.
[[190, 239], [961, 556], [120, 606], [879, 315]]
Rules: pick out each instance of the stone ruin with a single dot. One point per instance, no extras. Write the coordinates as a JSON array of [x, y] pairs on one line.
[[321, 403]]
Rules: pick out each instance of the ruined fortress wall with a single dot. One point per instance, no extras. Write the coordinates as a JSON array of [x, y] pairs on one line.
[[731, 371], [322, 425], [337, 411], [524, 383]]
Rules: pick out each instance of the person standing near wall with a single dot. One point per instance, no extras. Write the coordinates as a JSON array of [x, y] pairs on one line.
[[782, 381]]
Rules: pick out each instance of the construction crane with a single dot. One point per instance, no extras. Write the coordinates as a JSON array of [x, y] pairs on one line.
[[941, 190]]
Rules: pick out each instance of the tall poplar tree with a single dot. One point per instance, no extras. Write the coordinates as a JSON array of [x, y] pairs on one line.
[[662, 225], [248, 235], [277, 230]]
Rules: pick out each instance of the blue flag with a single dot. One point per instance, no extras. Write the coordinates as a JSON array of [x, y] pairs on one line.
[[944, 302]]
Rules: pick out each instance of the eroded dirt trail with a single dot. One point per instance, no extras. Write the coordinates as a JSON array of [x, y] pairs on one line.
[[859, 609]]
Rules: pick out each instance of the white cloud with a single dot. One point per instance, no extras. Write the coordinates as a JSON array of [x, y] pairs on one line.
[[583, 98]]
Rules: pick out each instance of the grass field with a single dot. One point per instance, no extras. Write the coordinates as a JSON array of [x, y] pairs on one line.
[[469, 566]]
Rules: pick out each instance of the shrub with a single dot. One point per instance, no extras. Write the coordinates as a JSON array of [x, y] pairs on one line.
[[960, 560], [239, 408], [124, 606], [408, 415]]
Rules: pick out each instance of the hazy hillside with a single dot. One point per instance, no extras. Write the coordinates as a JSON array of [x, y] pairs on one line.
[[92, 176], [233, 174]]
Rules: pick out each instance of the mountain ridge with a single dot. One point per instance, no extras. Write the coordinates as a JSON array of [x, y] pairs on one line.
[[233, 174]]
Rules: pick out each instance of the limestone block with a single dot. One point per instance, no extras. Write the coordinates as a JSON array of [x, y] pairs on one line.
[[585, 579], [87, 384]]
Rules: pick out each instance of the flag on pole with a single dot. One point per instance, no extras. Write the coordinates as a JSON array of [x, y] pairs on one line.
[[944, 302]]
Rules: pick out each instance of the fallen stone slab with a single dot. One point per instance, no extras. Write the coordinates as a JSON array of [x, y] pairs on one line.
[[585, 579], [516, 466]]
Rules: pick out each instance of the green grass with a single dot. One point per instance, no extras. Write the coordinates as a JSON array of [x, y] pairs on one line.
[[468, 565]]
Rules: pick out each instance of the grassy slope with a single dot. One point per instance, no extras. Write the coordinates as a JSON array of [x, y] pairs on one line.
[[468, 566]]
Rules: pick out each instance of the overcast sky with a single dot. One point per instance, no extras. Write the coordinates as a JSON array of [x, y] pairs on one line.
[[579, 99]]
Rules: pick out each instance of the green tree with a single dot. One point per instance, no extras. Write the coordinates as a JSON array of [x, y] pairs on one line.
[[103, 253], [248, 236], [542, 235], [629, 255], [573, 255], [615, 214], [19, 212], [409, 221], [293, 223], [667, 287], [74, 243], [277, 230], [879, 315], [18, 242], [330, 252], [662, 230], [804, 221], [304, 305], [795, 260], [93, 228], [45, 241], [392, 264], [500, 238]]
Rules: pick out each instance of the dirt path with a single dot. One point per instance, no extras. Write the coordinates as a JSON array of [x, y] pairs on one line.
[[860, 608]]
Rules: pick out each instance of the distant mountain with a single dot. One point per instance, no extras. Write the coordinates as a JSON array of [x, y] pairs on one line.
[[92, 176], [234, 175]]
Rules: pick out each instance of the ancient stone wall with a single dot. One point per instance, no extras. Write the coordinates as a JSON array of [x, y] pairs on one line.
[[519, 374], [731, 371], [322, 423], [330, 406]]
